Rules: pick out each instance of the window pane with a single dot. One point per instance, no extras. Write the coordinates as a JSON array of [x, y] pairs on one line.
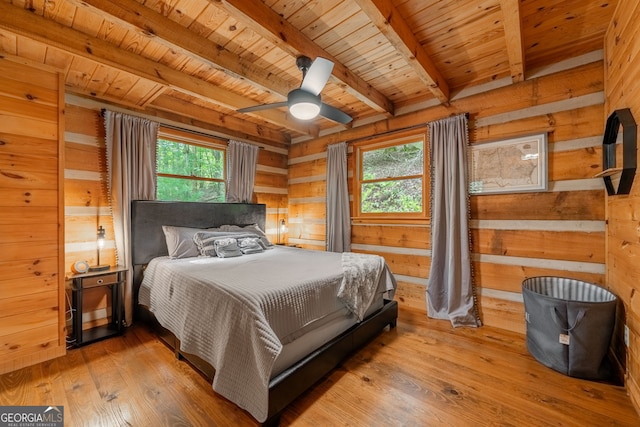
[[176, 158], [403, 195], [393, 162], [190, 190]]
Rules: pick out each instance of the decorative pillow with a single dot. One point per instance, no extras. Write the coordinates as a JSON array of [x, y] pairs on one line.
[[227, 247], [180, 242], [205, 240], [250, 245], [204, 243], [253, 228]]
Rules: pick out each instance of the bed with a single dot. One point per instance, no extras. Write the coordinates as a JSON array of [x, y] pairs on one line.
[[283, 353]]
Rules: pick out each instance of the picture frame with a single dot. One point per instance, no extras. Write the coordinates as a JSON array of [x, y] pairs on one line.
[[513, 165]]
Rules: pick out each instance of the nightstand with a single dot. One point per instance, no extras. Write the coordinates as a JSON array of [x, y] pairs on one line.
[[113, 278]]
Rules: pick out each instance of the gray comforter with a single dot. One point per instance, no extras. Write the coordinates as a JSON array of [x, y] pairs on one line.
[[237, 313]]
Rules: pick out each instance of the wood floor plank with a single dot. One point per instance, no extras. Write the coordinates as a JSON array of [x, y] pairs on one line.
[[421, 373]]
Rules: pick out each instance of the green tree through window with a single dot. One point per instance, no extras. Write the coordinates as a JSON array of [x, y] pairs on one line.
[[391, 178], [190, 173]]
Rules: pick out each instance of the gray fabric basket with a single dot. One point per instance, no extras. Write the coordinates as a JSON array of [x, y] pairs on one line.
[[569, 325]]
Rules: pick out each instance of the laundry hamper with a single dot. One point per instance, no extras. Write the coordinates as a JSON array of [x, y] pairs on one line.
[[569, 325]]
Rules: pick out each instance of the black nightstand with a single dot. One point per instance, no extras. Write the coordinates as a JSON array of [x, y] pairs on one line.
[[113, 278]]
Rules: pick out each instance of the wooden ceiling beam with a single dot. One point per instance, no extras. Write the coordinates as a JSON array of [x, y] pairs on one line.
[[168, 108], [28, 24], [388, 20], [138, 18], [513, 36], [232, 127], [273, 27]]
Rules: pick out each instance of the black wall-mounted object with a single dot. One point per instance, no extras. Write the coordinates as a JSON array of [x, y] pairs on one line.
[[629, 155]]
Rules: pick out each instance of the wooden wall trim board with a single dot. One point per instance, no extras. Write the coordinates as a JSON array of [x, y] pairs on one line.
[[538, 110], [541, 225]]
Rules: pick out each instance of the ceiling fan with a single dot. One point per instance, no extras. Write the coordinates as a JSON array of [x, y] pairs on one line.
[[305, 103]]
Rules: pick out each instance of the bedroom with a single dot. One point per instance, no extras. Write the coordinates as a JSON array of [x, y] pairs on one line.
[[573, 78]]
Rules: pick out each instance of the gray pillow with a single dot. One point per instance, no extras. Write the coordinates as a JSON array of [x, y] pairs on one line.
[[180, 242], [252, 228], [205, 241], [250, 245], [227, 247]]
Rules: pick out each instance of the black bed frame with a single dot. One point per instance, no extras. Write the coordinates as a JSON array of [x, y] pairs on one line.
[[148, 242]]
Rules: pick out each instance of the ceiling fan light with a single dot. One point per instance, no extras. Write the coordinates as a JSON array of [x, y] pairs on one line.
[[304, 110], [304, 105]]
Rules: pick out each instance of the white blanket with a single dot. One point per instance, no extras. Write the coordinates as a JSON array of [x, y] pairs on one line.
[[236, 313], [360, 281]]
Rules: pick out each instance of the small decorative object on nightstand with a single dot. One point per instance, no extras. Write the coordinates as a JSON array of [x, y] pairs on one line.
[[113, 278]]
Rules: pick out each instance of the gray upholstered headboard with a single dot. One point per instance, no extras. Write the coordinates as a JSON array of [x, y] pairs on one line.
[[148, 217]]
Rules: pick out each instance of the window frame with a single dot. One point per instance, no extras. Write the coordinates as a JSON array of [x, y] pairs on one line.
[[380, 142], [188, 138]]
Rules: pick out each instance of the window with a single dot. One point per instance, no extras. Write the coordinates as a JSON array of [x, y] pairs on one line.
[[190, 168], [391, 180]]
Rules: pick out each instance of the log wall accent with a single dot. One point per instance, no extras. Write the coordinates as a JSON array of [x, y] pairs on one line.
[[622, 90], [32, 303], [557, 232], [87, 201]]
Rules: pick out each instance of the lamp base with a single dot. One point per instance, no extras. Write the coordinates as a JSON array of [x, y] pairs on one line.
[[103, 267]]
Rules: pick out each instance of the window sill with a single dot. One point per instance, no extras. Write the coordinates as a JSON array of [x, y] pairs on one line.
[[389, 220]]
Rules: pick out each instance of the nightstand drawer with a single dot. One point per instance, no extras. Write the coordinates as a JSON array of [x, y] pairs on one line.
[[102, 280]]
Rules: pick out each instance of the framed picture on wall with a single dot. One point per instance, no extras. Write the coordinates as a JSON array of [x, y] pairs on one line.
[[511, 165]]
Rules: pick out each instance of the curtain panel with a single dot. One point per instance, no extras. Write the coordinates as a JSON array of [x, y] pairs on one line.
[[450, 292], [131, 175], [338, 215], [242, 159]]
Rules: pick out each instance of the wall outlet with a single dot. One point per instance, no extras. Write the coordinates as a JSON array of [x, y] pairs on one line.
[[626, 335]]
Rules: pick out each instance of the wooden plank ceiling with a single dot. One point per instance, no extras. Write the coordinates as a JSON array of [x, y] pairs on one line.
[[203, 59]]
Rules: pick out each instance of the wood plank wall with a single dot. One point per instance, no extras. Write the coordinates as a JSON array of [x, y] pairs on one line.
[[557, 232], [87, 205], [87, 201], [31, 226], [622, 74]]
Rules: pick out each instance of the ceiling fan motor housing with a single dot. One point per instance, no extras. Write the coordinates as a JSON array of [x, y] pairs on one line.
[[303, 63]]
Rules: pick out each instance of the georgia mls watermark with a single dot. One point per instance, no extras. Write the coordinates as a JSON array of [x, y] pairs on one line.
[[31, 416]]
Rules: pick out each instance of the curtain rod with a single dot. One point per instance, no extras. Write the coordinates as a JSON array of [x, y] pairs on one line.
[[195, 132], [389, 132]]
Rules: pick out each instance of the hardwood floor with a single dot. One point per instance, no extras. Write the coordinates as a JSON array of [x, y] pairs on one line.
[[423, 373]]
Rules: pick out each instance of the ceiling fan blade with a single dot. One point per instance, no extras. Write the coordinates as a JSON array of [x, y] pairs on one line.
[[317, 76], [262, 107], [334, 114]]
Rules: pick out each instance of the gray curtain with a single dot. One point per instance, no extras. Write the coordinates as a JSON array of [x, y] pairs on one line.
[[131, 175], [242, 159], [450, 292], [338, 216]]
